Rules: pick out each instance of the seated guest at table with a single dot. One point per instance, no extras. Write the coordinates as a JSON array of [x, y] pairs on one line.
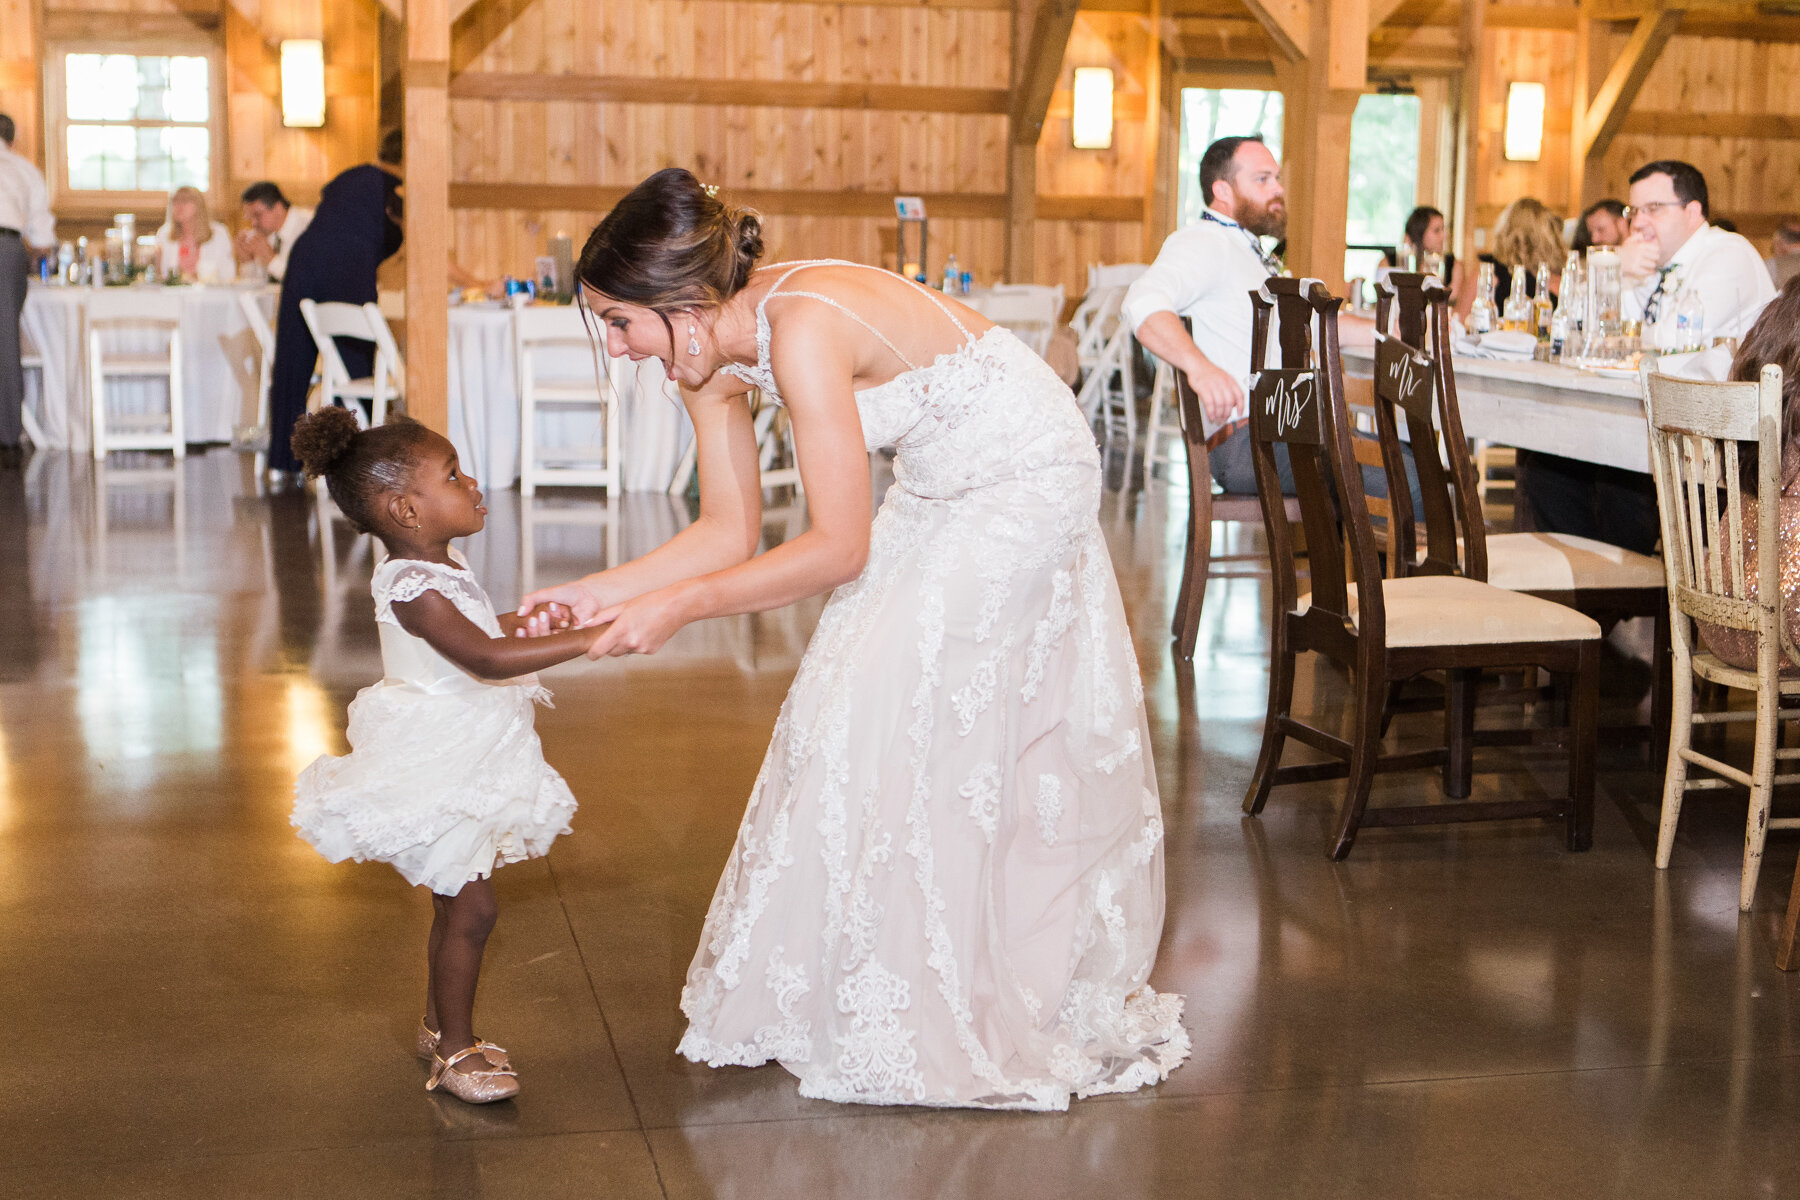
[[1425, 234], [271, 226], [355, 227], [1602, 224], [1670, 248], [1206, 272], [1526, 236], [194, 244], [1775, 338], [1784, 252], [25, 222], [1673, 249]]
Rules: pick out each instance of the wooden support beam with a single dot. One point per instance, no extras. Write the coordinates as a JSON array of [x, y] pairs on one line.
[[1473, 36], [1316, 141], [750, 93], [1594, 131], [797, 202], [1040, 37], [1161, 142], [1769, 126], [427, 78], [1347, 49], [476, 28], [1380, 11], [1288, 24]]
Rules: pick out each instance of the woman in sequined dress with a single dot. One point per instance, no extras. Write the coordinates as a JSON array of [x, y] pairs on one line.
[[1775, 338]]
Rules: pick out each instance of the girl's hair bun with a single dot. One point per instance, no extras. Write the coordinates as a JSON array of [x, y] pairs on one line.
[[322, 438]]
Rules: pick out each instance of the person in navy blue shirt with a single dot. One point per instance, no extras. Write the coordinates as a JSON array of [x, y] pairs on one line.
[[355, 228]]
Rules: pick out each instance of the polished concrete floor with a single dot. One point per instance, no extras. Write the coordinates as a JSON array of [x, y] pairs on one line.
[[194, 1004]]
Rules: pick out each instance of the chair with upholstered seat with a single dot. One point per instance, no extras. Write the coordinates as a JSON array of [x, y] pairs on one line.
[[1607, 582], [1385, 630], [1696, 429], [1204, 507]]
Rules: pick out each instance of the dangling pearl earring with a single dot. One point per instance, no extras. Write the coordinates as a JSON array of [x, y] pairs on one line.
[[693, 341]]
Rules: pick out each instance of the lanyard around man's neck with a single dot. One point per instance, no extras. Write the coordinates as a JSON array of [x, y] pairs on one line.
[[1268, 262]]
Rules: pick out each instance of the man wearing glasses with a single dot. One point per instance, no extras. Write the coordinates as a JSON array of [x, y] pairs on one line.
[[1672, 250]]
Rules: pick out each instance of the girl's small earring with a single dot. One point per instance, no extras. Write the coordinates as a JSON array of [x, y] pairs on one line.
[[693, 342]]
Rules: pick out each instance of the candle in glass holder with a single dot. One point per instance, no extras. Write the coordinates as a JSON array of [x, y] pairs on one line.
[[1605, 285]]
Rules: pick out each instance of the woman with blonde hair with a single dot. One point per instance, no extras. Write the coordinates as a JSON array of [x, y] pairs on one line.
[[194, 244], [1526, 236]]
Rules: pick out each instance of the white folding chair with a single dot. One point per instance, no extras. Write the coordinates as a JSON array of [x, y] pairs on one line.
[[538, 331], [1114, 275], [1109, 394], [1031, 312], [777, 458], [331, 320], [131, 314], [1094, 321], [264, 334], [31, 360]]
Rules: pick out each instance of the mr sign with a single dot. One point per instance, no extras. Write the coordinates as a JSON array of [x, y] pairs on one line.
[[1403, 377], [1284, 407]]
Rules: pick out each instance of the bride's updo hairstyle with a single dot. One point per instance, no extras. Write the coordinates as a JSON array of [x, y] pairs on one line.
[[671, 244]]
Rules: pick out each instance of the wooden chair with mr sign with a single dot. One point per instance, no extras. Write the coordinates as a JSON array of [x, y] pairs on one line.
[[1383, 630]]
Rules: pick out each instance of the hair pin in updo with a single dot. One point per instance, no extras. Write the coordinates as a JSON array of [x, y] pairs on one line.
[[711, 190]]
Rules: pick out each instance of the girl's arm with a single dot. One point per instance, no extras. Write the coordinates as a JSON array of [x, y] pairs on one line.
[[434, 618], [726, 531], [814, 362]]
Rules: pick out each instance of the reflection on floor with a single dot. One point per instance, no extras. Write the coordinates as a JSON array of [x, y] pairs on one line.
[[196, 1005]]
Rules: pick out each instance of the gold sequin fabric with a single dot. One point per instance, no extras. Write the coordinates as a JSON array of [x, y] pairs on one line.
[[1738, 646]]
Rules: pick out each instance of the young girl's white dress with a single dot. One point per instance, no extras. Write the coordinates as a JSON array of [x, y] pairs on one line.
[[445, 778]]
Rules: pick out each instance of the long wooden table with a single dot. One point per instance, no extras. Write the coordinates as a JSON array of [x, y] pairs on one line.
[[1544, 406]]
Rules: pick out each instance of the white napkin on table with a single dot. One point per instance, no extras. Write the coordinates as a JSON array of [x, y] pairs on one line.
[[1510, 346]]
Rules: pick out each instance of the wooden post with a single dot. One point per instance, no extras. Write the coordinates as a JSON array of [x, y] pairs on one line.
[[1161, 147], [1468, 121], [1040, 36], [1320, 101], [428, 211], [20, 72]]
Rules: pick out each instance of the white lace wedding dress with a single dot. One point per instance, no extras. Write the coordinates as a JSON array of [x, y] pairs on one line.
[[948, 885]]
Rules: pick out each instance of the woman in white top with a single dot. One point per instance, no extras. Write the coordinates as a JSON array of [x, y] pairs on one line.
[[194, 244]]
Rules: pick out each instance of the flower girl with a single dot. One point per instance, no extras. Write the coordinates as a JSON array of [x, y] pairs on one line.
[[445, 779]]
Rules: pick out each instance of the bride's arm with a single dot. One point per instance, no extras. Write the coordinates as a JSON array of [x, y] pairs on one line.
[[814, 364], [726, 531]]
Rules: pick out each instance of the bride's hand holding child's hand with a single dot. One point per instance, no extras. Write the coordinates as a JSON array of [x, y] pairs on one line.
[[537, 621], [571, 601], [642, 625]]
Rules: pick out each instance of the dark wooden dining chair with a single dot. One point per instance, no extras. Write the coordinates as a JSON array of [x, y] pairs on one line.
[[1607, 582], [1384, 630], [1205, 507]]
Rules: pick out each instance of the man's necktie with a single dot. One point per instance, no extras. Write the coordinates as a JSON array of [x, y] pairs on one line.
[[1653, 305]]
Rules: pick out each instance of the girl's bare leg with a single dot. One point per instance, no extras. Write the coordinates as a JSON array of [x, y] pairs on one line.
[[468, 918], [439, 921]]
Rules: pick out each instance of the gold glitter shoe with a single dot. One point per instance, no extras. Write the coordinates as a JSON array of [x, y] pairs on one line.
[[426, 1043], [481, 1086]]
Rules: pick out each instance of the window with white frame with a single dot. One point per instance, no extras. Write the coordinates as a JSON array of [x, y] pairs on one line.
[[132, 126]]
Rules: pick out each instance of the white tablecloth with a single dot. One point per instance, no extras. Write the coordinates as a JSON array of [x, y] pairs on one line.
[[220, 360], [483, 397]]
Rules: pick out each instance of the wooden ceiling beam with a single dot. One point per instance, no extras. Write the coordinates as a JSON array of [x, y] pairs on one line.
[[1381, 10], [1288, 24], [1594, 131], [1040, 68]]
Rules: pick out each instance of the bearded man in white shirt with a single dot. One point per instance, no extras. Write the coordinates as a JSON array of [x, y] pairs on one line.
[[25, 221], [1206, 272], [1671, 251]]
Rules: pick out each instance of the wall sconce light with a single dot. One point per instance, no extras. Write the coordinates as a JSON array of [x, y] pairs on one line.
[[1092, 126], [1524, 122], [303, 83]]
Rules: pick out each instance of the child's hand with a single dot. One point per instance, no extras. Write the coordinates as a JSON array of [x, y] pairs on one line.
[[544, 619]]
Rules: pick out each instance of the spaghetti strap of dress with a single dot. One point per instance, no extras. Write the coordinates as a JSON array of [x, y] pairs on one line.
[[762, 375]]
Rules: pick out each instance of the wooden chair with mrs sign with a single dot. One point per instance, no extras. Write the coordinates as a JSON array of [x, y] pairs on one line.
[[1384, 630]]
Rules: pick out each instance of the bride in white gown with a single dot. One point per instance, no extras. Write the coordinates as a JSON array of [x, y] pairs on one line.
[[948, 885]]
